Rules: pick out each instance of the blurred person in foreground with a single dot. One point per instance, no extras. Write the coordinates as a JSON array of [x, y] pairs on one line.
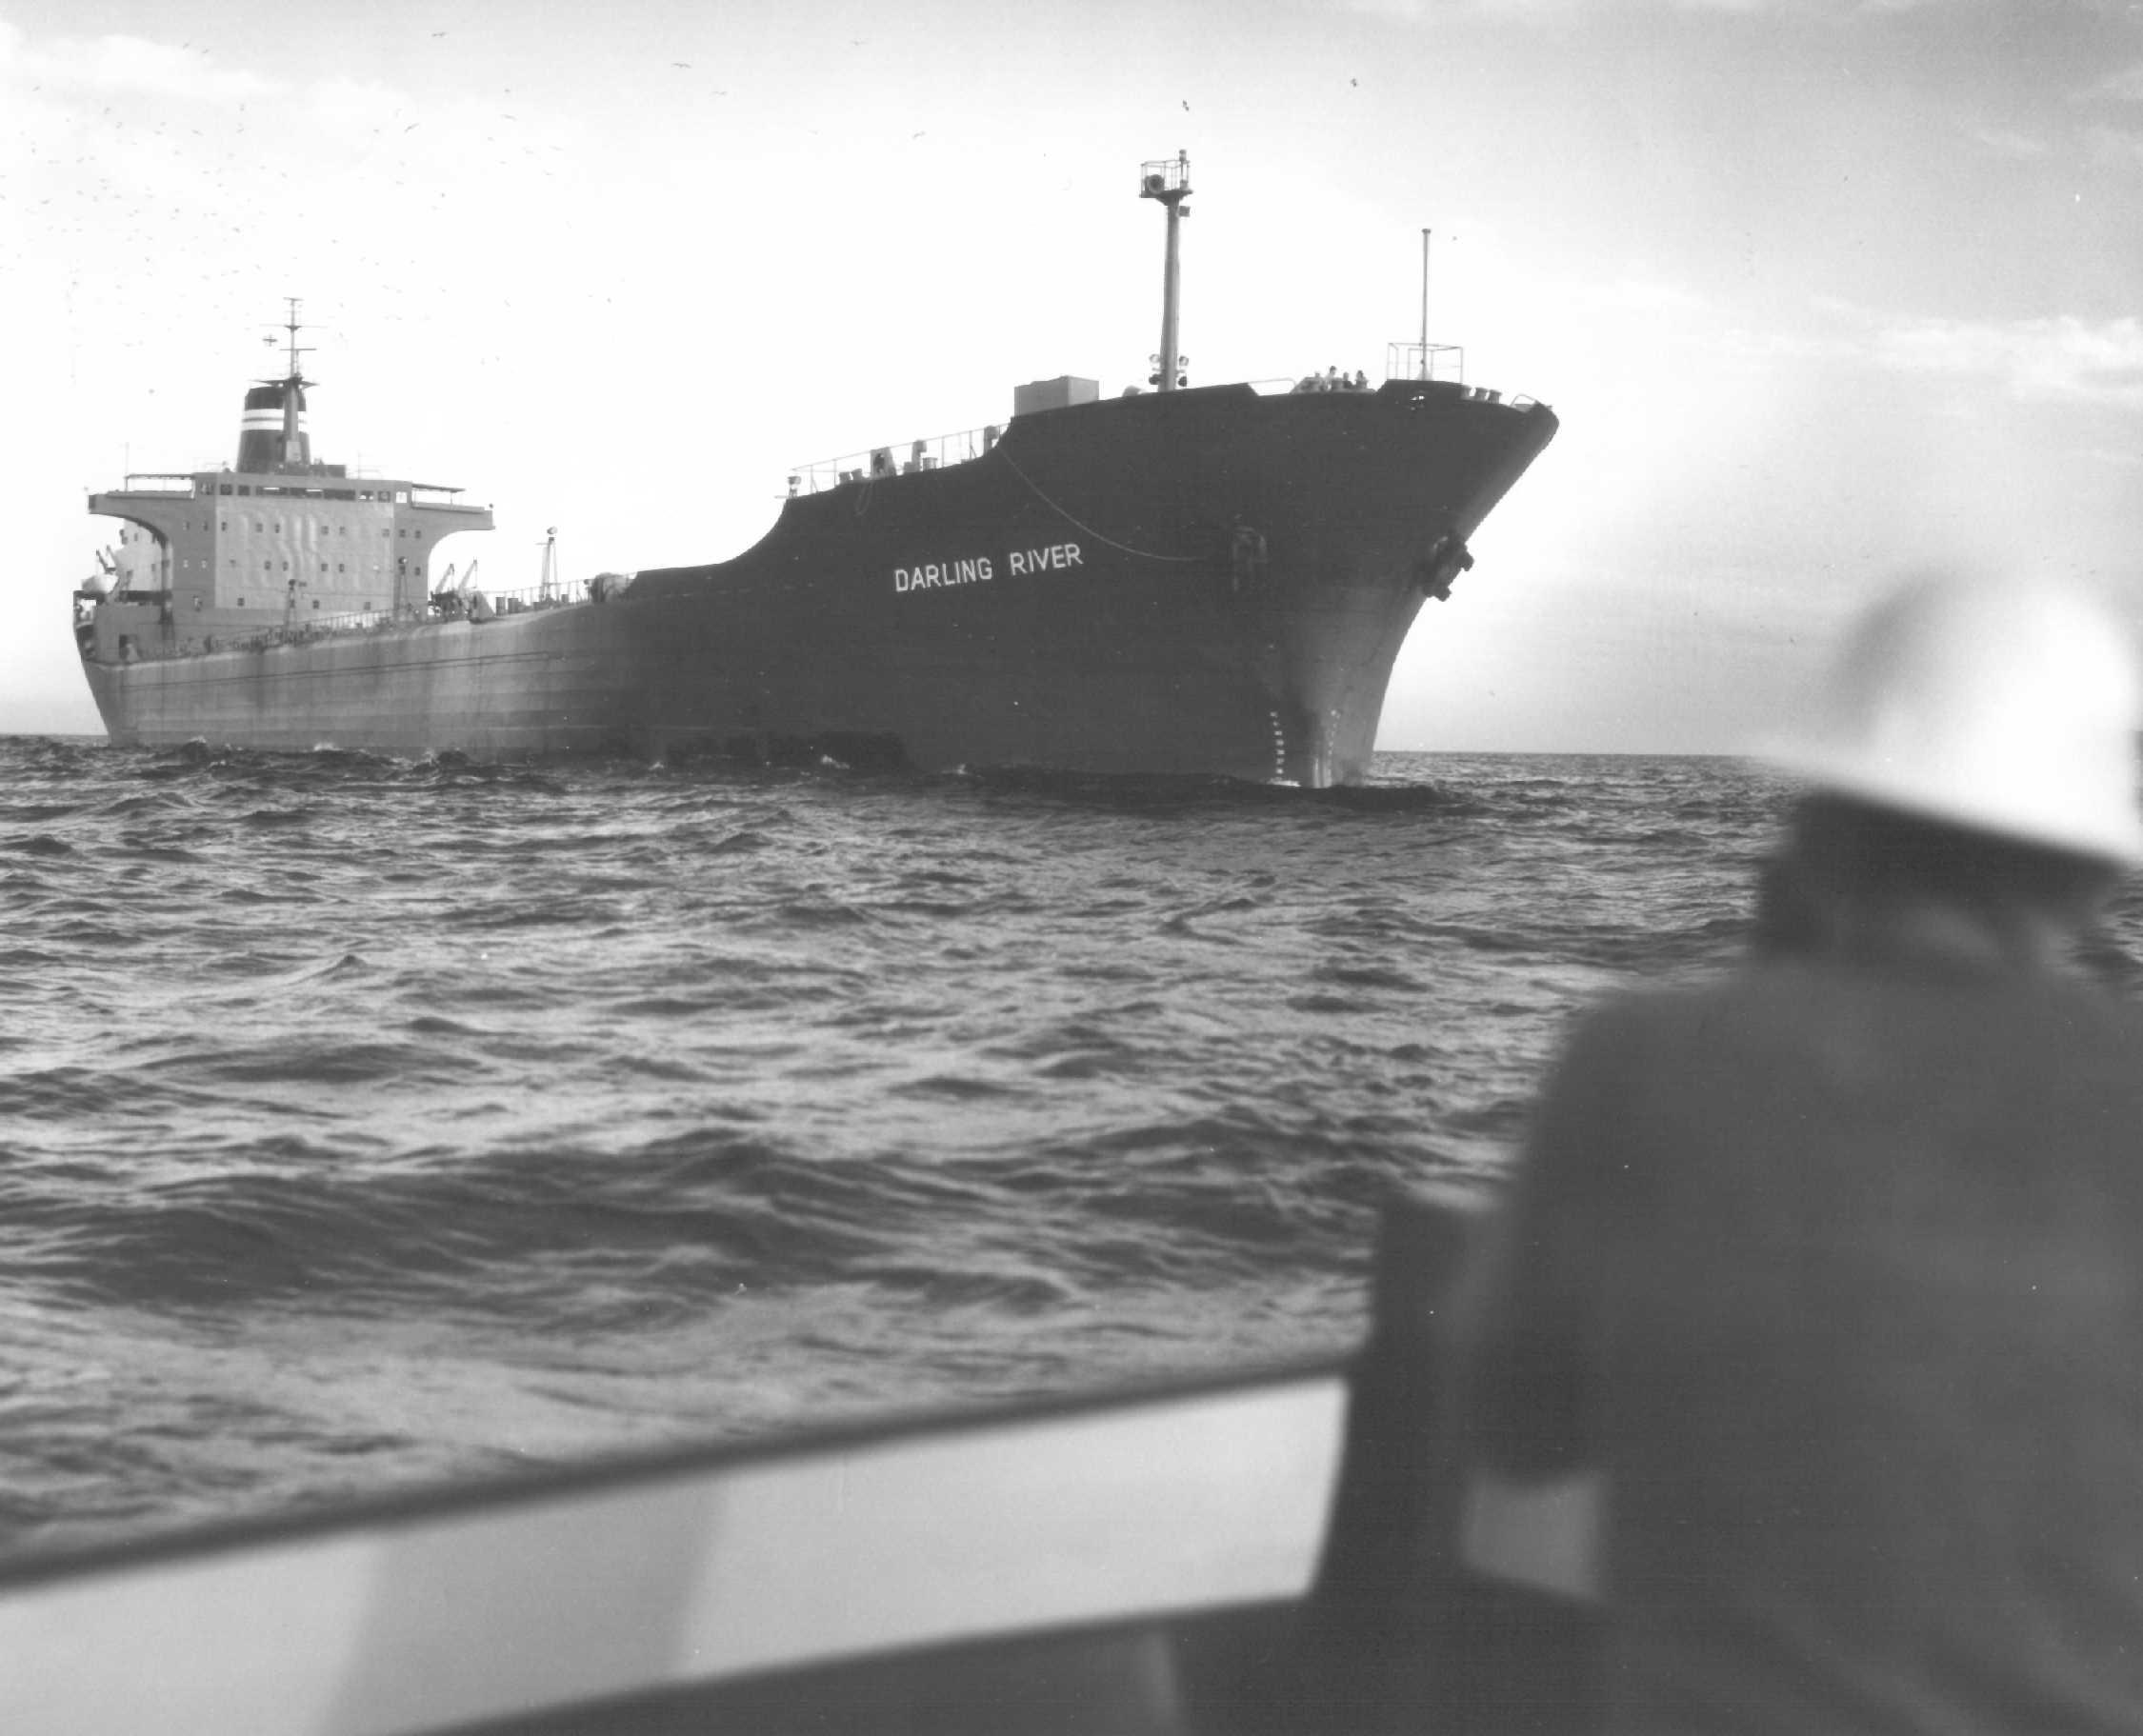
[[1834, 1268]]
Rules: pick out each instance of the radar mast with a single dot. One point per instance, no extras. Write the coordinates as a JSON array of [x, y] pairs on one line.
[[295, 446], [1169, 182]]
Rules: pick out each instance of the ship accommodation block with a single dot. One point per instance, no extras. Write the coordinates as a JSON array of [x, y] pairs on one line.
[[222, 553]]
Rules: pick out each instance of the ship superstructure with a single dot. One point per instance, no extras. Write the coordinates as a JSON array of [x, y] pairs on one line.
[[274, 544]]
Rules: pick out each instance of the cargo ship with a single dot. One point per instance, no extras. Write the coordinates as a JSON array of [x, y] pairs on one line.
[[1209, 579]]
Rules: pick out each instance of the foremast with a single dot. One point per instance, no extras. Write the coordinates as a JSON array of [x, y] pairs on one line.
[[1169, 183]]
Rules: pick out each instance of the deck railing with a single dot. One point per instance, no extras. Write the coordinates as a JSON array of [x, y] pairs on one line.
[[297, 630], [1444, 363], [1425, 362], [934, 453], [560, 593]]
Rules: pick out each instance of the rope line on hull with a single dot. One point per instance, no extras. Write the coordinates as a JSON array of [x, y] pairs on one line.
[[1144, 554]]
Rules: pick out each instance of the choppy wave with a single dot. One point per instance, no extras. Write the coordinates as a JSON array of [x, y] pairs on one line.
[[368, 1120]]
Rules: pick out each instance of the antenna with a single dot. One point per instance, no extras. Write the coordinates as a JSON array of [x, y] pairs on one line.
[[291, 328], [1418, 361], [1424, 304]]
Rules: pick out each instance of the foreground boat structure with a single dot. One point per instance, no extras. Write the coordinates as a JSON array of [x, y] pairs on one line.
[[1195, 580], [1286, 1550]]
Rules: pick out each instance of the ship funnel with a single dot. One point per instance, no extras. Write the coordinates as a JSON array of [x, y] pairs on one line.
[[272, 433]]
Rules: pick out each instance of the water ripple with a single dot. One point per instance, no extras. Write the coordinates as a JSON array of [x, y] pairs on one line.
[[368, 1120]]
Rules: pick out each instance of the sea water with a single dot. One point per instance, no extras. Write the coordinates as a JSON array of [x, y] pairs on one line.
[[367, 1124]]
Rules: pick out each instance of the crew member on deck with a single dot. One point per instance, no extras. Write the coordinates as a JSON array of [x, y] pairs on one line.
[[1834, 1268]]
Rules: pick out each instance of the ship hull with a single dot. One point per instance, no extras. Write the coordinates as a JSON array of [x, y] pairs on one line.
[[1200, 582]]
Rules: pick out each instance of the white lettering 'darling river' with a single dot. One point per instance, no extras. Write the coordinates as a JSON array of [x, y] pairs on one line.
[[934, 575]]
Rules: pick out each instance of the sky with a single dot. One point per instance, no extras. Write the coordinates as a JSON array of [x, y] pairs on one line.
[[1824, 292]]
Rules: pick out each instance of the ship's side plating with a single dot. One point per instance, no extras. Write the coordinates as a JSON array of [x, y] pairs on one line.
[[1202, 581]]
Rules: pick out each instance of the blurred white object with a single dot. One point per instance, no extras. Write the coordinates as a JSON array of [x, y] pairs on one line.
[[2007, 708]]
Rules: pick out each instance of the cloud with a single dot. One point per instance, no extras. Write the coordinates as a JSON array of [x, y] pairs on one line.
[[1646, 295], [352, 103], [122, 64], [2063, 358], [2001, 142], [2116, 145], [1413, 12], [2123, 87]]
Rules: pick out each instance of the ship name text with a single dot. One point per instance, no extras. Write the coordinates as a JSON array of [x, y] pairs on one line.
[[936, 576]]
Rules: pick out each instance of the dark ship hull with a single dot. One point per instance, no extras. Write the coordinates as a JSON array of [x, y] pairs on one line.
[[1204, 581]]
